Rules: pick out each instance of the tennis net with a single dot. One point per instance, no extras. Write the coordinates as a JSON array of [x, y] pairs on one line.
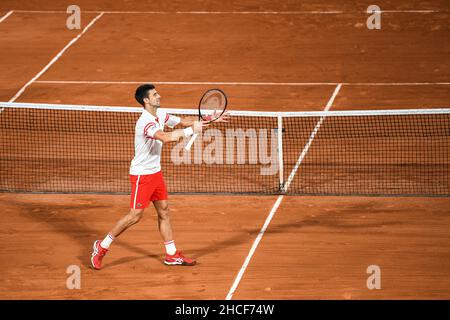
[[88, 149]]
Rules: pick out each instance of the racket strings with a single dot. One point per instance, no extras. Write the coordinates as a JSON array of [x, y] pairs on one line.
[[212, 105]]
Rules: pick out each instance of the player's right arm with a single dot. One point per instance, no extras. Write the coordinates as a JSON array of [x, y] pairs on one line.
[[177, 134]]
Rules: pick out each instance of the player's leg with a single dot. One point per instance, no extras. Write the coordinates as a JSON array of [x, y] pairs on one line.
[[164, 226], [133, 217], [140, 198], [160, 202], [173, 256], [100, 248]]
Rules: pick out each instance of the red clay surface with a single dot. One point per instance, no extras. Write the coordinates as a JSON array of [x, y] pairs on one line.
[[316, 247], [257, 98], [320, 248], [60, 230], [392, 97], [218, 5], [269, 48], [26, 47]]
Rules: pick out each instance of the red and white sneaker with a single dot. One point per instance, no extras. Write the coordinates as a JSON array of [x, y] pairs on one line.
[[178, 259], [97, 255]]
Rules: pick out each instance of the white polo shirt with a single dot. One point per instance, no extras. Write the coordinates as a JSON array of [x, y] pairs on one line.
[[147, 149]]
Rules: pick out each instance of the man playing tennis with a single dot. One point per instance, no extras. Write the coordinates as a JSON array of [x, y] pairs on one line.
[[145, 174]]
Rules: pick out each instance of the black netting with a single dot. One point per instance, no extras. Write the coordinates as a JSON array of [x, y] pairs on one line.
[[77, 151]]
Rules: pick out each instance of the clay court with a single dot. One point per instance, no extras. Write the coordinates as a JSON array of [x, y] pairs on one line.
[[275, 56]]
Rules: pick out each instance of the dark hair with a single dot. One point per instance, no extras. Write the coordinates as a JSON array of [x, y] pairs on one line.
[[142, 92]]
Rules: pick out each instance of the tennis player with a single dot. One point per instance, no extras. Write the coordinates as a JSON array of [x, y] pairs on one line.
[[147, 182]]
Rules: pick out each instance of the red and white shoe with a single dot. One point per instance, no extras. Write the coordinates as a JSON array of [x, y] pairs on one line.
[[97, 255], [178, 259]]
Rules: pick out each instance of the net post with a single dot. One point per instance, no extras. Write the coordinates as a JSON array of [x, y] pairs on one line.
[[280, 150]]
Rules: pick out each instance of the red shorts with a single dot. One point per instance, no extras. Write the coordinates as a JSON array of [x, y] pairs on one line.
[[146, 188]]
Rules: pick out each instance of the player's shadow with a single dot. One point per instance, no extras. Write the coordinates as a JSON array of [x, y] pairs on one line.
[[66, 220], [325, 220]]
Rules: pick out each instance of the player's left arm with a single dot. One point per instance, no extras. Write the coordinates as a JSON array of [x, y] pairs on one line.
[[189, 121], [172, 121]]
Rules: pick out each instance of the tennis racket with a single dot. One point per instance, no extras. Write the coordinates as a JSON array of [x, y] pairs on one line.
[[211, 107]]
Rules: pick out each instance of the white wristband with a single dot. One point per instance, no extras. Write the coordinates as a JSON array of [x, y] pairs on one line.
[[188, 132]]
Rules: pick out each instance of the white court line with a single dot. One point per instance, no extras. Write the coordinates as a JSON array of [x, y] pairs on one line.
[[19, 93], [195, 12], [250, 83], [302, 12], [280, 198], [409, 11], [253, 249], [6, 16]]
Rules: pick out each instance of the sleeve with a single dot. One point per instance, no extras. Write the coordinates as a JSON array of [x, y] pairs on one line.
[[150, 129], [171, 120]]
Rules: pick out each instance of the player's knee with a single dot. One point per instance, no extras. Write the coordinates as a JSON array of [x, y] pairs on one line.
[[135, 215], [163, 212]]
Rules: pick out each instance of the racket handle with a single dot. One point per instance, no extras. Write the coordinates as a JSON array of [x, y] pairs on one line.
[[189, 144]]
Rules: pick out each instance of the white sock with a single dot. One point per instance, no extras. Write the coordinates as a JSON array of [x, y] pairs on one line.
[[107, 241], [170, 247]]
